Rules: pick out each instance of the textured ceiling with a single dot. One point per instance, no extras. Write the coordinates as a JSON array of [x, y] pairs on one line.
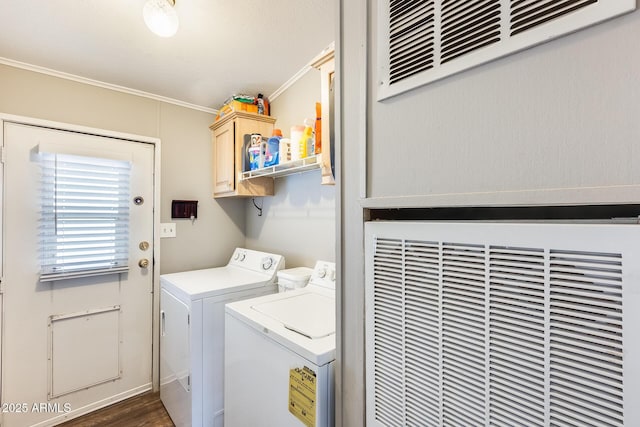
[[222, 46]]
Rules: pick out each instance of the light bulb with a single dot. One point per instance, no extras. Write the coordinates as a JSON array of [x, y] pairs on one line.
[[161, 17]]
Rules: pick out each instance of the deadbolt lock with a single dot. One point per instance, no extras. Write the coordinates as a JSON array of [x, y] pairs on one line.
[[144, 245]]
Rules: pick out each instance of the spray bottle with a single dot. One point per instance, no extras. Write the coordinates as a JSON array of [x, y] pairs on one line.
[[260, 102]]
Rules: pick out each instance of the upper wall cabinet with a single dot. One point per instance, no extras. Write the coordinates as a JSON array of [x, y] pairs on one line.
[[228, 139]]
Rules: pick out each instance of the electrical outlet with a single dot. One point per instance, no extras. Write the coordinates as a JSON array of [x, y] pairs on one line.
[[167, 229]]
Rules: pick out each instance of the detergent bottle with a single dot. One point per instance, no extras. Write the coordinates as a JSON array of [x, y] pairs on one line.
[[296, 136], [273, 149], [307, 140]]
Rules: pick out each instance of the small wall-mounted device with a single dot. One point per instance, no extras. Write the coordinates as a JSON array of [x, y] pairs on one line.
[[184, 209]]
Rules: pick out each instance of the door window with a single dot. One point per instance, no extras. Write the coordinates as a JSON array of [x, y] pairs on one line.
[[84, 221]]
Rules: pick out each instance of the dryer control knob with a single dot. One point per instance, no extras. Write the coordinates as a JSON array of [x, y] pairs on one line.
[[267, 263], [242, 256], [322, 273], [236, 256]]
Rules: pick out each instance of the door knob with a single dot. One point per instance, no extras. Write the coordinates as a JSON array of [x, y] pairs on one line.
[[143, 263]]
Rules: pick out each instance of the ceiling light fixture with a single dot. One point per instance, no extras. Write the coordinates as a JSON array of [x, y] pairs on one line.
[[161, 17]]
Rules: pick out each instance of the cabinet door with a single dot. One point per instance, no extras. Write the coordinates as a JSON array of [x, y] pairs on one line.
[[223, 159], [248, 126]]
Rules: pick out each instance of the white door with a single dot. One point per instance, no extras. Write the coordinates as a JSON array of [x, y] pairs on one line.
[[72, 345]]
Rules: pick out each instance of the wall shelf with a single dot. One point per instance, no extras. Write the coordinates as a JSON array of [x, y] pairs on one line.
[[284, 169]]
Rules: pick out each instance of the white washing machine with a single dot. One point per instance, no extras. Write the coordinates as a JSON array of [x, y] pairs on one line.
[[192, 332], [280, 355]]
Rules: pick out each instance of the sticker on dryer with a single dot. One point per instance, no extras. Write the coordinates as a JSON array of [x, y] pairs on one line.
[[302, 395]]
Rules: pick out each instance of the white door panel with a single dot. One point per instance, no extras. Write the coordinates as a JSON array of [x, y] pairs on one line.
[[72, 344]]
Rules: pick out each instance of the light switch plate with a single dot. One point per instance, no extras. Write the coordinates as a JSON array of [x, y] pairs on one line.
[[167, 229]]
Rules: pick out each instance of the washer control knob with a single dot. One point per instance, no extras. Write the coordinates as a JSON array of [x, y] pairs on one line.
[[242, 256], [236, 256], [322, 273], [332, 275], [267, 263]]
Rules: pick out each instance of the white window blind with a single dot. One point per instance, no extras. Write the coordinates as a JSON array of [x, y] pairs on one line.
[[84, 224]]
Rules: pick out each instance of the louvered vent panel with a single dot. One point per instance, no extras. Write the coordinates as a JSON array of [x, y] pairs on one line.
[[388, 341], [586, 339], [527, 14], [422, 331], [468, 25], [463, 334], [421, 41], [411, 37], [507, 333], [517, 336]]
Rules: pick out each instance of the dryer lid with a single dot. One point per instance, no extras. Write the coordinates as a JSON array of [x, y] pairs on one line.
[[196, 284], [308, 314]]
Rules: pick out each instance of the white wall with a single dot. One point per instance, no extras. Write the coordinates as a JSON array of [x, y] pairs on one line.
[[557, 123], [185, 147], [210, 240], [299, 220]]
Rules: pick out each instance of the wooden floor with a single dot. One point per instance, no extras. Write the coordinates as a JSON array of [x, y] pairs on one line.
[[143, 410]]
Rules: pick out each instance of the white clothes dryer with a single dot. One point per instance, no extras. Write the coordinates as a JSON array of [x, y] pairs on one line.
[[192, 332], [280, 356]]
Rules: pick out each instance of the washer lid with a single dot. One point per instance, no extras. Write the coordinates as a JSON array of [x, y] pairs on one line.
[[309, 314]]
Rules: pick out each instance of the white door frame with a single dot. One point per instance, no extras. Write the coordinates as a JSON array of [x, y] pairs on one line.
[[8, 118]]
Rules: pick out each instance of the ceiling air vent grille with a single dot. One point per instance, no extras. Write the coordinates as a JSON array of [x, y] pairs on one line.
[[586, 338], [489, 324], [421, 41], [410, 37]]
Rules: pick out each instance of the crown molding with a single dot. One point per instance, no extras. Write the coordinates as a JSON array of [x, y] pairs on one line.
[[326, 52], [104, 85]]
